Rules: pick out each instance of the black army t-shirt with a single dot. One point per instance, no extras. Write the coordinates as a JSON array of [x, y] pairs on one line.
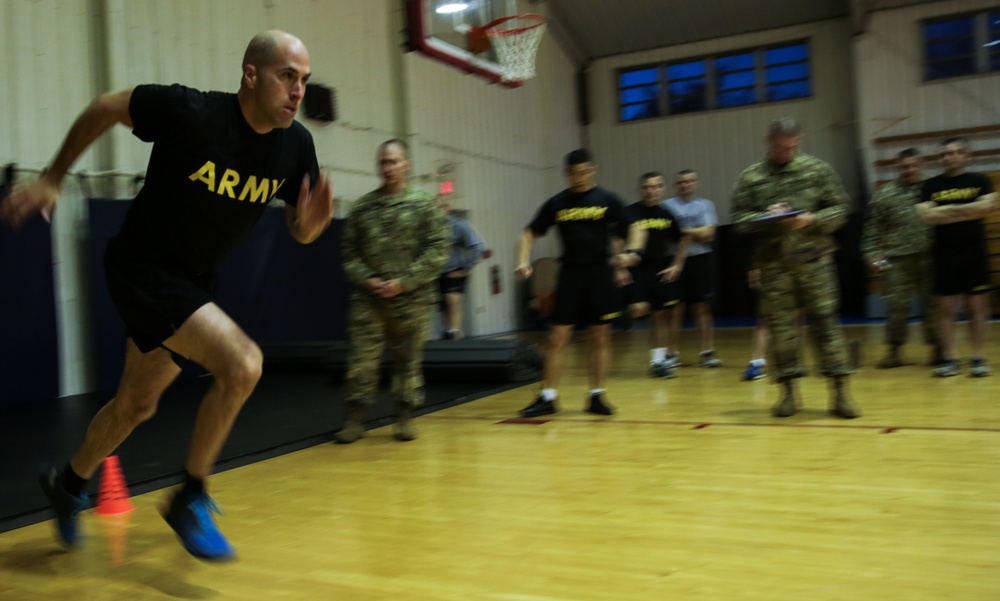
[[663, 232], [210, 176], [961, 189], [585, 221]]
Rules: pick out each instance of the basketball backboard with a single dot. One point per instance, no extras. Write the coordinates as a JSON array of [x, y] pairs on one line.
[[440, 29]]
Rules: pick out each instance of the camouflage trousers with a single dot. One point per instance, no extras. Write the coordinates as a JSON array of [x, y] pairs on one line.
[[375, 326], [906, 275], [785, 288]]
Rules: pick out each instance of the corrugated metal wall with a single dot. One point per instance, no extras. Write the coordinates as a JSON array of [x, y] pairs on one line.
[[893, 100], [720, 144], [59, 54]]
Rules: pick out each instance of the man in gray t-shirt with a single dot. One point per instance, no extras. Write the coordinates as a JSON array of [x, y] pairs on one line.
[[467, 248], [697, 282]]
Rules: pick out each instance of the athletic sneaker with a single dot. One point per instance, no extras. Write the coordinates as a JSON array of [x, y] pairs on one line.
[[754, 372], [948, 368], [708, 359], [598, 405], [672, 360], [66, 506], [190, 515], [978, 368], [539, 407], [660, 370]]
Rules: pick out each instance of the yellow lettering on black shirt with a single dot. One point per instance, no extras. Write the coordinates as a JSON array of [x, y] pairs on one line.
[[955, 195], [263, 192], [582, 214]]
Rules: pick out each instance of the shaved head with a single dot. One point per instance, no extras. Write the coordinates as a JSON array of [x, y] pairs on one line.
[[264, 48]]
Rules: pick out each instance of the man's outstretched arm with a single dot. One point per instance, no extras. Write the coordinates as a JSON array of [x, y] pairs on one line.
[[42, 195]]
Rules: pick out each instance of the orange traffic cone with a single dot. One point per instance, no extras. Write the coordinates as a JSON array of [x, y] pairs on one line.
[[112, 496], [113, 509]]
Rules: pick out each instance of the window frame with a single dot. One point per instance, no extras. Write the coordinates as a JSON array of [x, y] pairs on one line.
[[985, 58], [713, 92]]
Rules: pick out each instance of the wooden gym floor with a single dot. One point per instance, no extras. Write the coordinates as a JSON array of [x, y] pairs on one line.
[[691, 492]]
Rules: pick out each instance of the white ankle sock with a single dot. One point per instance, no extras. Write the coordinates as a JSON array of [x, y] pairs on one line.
[[657, 355]]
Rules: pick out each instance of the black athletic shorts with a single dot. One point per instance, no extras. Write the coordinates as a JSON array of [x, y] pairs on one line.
[[153, 300], [648, 287], [446, 284], [697, 281], [962, 272], [586, 295]]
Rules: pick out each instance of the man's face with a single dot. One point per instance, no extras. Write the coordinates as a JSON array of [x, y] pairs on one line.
[[782, 149], [910, 170], [581, 176], [278, 88], [393, 164], [652, 190], [686, 184], [953, 157]]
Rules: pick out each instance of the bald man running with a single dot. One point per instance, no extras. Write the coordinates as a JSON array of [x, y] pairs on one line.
[[217, 160]]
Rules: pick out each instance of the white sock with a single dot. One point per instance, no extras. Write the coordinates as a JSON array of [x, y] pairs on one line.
[[549, 394], [657, 355], [759, 362], [597, 391]]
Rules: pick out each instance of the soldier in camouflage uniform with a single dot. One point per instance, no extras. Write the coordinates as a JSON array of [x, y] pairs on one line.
[[794, 254], [396, 241], [896, 244]]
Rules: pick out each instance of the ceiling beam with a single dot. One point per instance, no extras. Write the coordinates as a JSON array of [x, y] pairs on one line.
[[860, 10]]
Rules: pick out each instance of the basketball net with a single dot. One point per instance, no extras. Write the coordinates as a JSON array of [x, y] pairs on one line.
[[515, 41]]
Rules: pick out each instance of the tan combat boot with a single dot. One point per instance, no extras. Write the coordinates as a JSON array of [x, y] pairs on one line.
[[354, 426], [403, 429], [840, 405], [786, 406]]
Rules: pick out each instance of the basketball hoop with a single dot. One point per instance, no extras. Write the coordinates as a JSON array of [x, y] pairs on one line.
[[515, 40]]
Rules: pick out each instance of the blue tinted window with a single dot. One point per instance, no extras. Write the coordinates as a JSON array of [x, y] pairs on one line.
[[730, 80], [743, 79], [735, 62], [787, 54], [686, 70], [687, 96], [639, 77], [642, 94], [737, 98], [787, 91], [639, 111], [950, 48], [936, 30], [787, 73], [951, 67], [994, 43]]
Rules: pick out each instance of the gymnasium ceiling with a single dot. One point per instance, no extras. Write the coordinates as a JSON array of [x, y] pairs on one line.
[[600, 28]]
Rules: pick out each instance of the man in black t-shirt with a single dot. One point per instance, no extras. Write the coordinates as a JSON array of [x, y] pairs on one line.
[[586, 216], [217, 160], [653, 289], [956, 202]]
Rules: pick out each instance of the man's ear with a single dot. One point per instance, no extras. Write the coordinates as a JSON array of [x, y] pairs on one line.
[[249, 75]]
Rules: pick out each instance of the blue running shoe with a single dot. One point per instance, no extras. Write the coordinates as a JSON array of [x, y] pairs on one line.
[[66, 506], [190, 515], [754, 372]]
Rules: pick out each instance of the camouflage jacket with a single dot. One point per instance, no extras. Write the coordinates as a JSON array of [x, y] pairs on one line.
[[405, 236], [805, 183], [892, 228]]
